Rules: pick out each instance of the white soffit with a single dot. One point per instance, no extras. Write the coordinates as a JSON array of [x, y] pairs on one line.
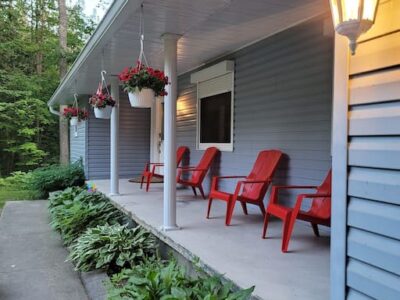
[[209, 29]]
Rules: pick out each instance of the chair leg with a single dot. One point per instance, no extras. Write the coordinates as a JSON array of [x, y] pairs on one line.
[[209, 207], [194, 190], [288, 228], [202, 192], [149, 177], [315, 229], [141, 182], [262, 208], [264, 233], [229, 211], [244, 206]]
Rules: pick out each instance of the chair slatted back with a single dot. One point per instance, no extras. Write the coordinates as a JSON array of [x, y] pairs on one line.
[[321, 207], [205, 164], [263, 169], [180, 152]]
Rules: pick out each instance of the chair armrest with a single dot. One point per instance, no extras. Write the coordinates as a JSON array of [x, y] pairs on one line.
[[229, 177], [216, 179], [255, 181], [191, 169], [187, 169], [157, 164], [287, 187]]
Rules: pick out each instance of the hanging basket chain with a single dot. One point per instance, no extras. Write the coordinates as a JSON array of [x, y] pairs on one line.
[[104, 82], [142, 56], [75, 101]]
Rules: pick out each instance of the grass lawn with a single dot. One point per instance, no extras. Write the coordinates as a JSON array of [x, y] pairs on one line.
[[10, 195]]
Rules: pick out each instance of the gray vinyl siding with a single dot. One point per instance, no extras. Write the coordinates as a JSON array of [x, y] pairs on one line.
[[373, 204], [134, 142], [282, 100], [77, 145]]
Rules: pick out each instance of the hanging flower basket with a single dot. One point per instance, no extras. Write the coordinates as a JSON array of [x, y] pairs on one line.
[[75, 115], [73, 121], [143, 84], [103, 113], [143, 98], [102, 103]]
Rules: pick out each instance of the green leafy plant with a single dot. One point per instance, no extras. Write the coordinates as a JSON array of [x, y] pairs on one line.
[[57, 177], [112, 247], [159, 280], [76, 217], [75, 209]]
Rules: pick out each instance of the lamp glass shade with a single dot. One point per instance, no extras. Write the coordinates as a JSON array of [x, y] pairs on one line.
[[352, 18]]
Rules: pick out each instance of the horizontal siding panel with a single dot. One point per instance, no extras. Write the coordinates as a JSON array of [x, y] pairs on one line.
[[377, 217], [355, 295], [376, 250], [134, 142], [376, 54], [375, 152], [283, 100], [372, 281], [377, 119], [375, 184], [376, 87]]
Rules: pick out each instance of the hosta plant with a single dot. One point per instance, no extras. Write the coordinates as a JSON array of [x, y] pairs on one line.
[[158, 280], [112, 247], [72, 216]]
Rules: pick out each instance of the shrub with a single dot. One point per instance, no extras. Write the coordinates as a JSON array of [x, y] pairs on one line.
[[74, 210], [112, 247], [17, 181], [155, 280], [57, 177]]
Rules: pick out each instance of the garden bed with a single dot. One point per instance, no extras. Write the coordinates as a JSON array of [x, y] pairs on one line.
[[142, 263]]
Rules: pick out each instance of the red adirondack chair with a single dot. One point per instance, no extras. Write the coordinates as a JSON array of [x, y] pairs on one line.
[[198, 173], [319, 213], [251, 190], [149, 174]]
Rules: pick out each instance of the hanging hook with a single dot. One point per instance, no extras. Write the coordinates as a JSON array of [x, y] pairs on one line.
[[103, 73]]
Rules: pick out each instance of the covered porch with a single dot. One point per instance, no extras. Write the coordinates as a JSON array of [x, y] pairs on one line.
[[238, 251]]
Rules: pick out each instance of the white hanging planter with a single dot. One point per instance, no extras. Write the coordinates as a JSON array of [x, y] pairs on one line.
[[143, 99], [73, 121], [103, 113]]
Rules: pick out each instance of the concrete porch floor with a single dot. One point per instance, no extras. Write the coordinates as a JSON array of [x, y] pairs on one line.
[[238, 250]]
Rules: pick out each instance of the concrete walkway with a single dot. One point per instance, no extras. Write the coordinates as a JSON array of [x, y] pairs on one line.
[[32, 257]]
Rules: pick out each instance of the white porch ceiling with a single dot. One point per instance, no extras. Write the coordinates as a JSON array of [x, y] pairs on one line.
[[209, 29]]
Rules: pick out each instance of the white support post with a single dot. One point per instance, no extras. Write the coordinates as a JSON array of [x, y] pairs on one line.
[[114, 167], [170, 69]]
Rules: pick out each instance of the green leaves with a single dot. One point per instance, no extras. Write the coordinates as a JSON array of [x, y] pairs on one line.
[[74, 210], [111, 247], [57, 177], [165, 280]]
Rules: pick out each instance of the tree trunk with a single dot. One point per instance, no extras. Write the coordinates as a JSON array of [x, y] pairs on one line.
[[62, 32]]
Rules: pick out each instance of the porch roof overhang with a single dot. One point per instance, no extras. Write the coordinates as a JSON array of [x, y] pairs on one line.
[[209, 29]]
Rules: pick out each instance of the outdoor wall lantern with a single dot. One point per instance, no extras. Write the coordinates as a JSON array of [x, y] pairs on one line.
[[352, 18]]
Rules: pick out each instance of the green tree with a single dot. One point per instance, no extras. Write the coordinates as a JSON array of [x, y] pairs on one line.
[[29, 74]]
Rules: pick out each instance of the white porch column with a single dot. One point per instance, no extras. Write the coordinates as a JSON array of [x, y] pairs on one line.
[[114, 167], [170, 69]]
